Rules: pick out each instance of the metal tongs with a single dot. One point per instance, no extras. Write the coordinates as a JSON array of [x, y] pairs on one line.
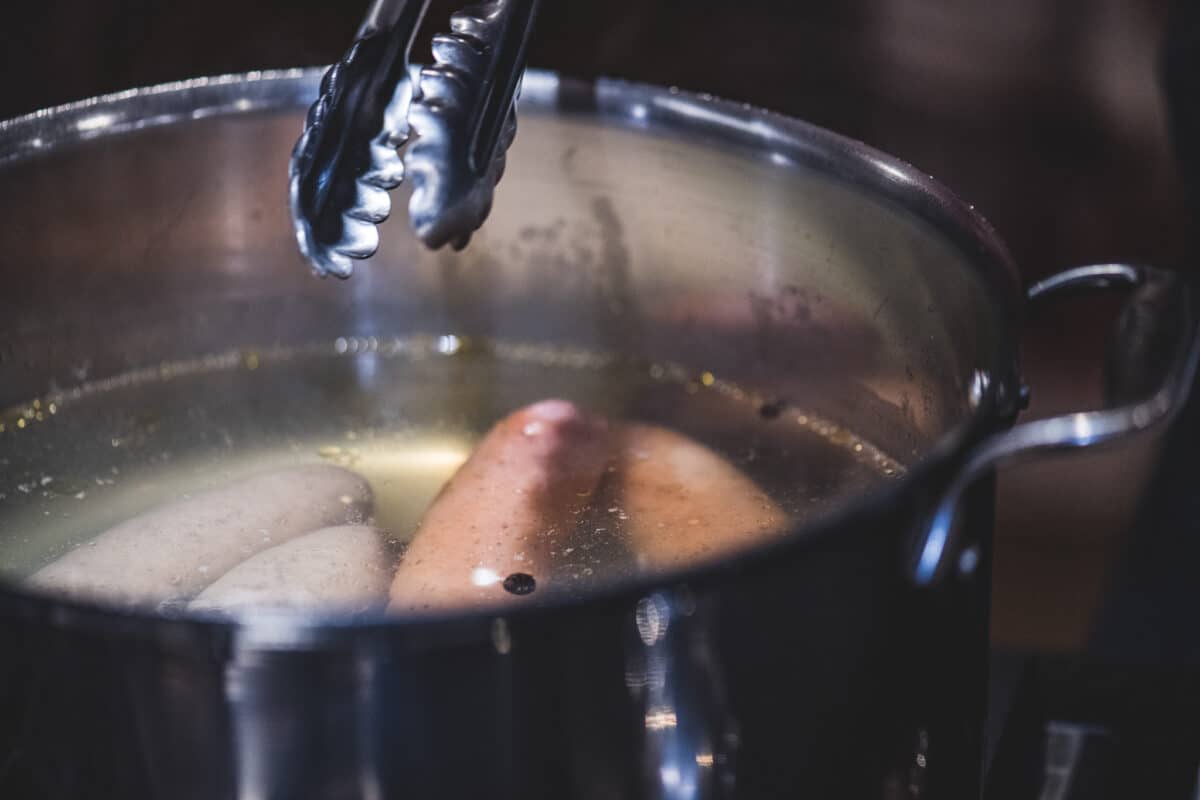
[[462, 109]]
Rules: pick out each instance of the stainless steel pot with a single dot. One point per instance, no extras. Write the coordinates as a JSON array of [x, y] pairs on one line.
[[846, 660]]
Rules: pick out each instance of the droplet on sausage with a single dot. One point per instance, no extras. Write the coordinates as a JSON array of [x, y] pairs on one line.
[[520, 583]]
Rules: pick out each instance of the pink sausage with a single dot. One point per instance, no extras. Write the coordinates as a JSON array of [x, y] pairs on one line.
[[488, 536], [685, 503]]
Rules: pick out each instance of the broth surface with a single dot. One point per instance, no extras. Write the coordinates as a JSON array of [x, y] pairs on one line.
[[402, 413]]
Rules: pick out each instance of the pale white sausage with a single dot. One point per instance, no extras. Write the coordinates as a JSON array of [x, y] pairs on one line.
[[173, 552], [344, 568], [518, 497]]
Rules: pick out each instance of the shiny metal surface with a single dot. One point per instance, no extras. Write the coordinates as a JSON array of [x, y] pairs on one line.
[[463, 109], [346, 159], [691, 739], [465, 115], [643, 222], [940, 550]]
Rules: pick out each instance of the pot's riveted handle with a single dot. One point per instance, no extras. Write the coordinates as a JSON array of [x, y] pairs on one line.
[[1154, 362]]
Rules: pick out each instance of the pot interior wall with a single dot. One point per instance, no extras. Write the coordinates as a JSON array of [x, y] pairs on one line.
[[621, 237]]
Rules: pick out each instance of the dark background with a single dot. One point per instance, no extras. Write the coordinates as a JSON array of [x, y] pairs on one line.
[[1047, 115]]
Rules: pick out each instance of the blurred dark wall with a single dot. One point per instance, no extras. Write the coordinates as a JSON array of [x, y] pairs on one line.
[[1045, 114]]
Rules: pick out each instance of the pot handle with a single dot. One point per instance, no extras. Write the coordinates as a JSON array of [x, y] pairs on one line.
[[1150, 373]]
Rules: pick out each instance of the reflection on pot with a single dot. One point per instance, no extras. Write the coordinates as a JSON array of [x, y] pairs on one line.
[[690, 739]]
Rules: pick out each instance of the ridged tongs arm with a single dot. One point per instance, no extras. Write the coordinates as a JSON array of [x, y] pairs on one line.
[[463, 112], [465, 118], [346, 159]]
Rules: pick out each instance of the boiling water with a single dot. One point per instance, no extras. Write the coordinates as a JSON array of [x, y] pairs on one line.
[[402, 413]]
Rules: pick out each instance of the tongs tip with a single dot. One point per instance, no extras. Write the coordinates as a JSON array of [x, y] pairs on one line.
[[462, 108]]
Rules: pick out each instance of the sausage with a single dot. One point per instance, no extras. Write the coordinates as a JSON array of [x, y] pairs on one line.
[[174, 551], [516, 499], [684, 503], [343, 568]]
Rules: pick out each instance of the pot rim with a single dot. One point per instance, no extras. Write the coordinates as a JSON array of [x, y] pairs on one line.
[[785, 140]]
